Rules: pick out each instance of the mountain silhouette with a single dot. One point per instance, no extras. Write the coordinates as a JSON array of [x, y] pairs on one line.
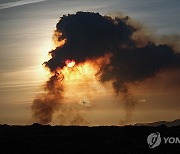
[[159, 123]]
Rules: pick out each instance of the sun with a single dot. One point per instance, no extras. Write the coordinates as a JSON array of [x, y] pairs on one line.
[[70, 63]]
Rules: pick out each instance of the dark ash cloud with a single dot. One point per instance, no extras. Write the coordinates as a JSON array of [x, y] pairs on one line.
[[90, 36]]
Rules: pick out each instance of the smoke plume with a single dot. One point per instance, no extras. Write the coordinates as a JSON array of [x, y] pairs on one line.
[[88, 36]]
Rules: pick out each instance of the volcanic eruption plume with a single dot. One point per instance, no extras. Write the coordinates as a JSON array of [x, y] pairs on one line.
[[84, 40]]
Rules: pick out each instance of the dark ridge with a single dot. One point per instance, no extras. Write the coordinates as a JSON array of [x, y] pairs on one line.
[[158, 123], [82, 139]]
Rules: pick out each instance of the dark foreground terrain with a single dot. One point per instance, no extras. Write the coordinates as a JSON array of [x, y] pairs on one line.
[[78, 139]]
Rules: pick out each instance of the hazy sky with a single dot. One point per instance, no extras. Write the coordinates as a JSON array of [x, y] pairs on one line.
[[26, 28]]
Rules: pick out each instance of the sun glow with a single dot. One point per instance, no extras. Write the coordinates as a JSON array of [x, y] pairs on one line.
[[80, 71], [84, 71], [80, 80], [70, 63]]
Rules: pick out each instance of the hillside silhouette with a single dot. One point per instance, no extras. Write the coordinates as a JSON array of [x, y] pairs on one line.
[[37, 138]]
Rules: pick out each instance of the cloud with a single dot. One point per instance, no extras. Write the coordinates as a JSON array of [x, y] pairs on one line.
[[109, 45], [18, 3], [91, 35]]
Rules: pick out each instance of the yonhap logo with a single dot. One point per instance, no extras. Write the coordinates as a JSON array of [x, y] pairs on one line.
[[154, 140]]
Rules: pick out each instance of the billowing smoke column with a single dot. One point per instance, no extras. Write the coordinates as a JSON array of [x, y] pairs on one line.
[[90, 36], [46, 104]]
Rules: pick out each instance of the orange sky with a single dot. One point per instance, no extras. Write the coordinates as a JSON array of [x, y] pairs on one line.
[[26, 37]]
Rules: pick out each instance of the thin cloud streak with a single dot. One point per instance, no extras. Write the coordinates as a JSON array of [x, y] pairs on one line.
[[18, 3]]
